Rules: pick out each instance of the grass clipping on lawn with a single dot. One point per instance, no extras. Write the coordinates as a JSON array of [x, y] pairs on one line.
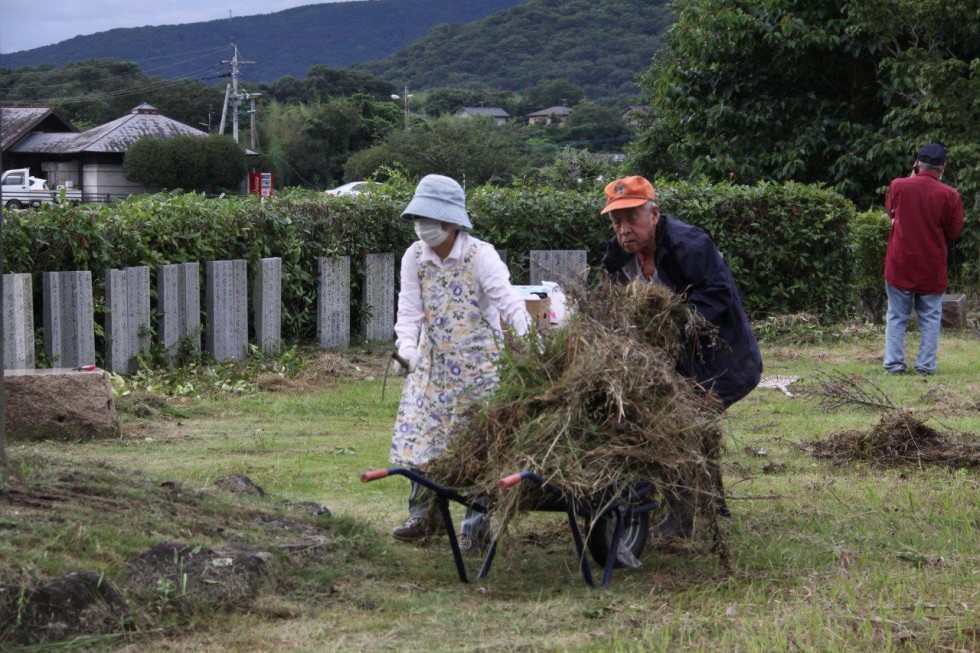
[[900, 437], [598, 408]]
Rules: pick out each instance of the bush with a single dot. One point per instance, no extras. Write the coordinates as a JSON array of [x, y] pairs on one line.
[[869, 237], [787, 245], [188, 162]]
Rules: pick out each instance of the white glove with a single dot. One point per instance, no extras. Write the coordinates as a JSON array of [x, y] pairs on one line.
[[410, 355], [395, 368]]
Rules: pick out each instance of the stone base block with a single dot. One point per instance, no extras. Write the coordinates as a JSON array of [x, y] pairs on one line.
[[954, 311], [59, 404]]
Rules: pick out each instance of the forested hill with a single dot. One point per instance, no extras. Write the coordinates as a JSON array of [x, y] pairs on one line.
[[601, 45], [283, 43]]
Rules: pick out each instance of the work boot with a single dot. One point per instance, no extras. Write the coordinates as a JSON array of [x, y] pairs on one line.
[[416, 528], [675, 524], [478, 541]]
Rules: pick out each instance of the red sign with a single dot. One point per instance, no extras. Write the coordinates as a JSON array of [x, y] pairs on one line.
[[261, 184]]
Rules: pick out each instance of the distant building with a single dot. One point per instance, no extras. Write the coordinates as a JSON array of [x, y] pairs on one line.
[[39, 138], [499, 115], [557, 115], [634, 114]]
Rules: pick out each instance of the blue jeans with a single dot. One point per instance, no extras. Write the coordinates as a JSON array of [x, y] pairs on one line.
[[929, 309]]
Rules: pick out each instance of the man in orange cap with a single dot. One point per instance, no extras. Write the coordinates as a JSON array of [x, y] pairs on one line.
[[650, 247]]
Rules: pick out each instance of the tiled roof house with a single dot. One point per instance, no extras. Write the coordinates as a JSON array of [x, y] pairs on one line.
[[498, 114], [557, 115], [40, 139]]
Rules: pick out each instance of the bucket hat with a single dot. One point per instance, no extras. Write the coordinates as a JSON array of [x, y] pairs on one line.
[[439, 198]]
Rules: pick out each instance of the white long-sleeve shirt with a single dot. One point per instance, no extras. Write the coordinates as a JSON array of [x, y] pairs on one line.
[[496, 296]]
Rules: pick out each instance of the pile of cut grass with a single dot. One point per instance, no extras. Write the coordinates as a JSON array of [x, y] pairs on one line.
[[900, 438], [598, 407]]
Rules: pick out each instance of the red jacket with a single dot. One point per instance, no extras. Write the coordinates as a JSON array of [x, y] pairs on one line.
[[926, 215]]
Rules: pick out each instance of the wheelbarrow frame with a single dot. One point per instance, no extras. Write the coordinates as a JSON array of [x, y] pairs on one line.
[[622, 510]]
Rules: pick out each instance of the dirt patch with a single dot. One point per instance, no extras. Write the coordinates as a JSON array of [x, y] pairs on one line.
[[79, 602], [219, 578], [239, 484], [326, 369], [207, 551]]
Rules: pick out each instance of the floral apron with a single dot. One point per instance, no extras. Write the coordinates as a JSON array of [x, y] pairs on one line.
[[457, 354]]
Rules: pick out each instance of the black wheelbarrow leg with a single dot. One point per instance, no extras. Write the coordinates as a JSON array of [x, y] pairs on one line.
[[447, 521], [614, 546], [492, 550], [583, 557]]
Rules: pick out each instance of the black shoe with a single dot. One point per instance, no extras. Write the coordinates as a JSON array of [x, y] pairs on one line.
[[674, 525], [413, 530], [897, 371], [922, 372]]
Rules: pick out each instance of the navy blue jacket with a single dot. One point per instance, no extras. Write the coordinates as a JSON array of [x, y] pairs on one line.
[[689, 264]]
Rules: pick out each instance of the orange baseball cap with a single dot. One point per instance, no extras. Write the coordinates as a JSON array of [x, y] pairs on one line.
[[628, 192]]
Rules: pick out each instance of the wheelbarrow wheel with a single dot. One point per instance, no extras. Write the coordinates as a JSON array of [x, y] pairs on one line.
[[633, 539]]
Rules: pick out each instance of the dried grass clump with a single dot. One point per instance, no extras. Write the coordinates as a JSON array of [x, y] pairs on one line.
[[900, 438], [598, 407]]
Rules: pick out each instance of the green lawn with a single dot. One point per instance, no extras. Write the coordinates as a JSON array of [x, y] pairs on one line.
[[823, 557]]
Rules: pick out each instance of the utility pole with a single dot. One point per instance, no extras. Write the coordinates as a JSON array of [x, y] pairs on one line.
[[251, 116], [231, 92], [3, 406], [406, 96], [224, 110]]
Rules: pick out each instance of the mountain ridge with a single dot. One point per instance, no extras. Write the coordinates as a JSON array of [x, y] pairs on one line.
[[313, 34]]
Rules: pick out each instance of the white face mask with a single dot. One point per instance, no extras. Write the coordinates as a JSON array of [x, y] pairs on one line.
[[430, 232]]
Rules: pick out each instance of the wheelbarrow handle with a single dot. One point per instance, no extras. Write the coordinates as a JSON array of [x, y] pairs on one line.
[[510, 481], [373, 475]]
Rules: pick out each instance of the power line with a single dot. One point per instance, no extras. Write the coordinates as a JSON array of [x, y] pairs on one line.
[[109, 94], [20, 87]]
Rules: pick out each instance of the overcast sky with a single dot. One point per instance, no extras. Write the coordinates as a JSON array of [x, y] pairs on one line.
[[26, 24]]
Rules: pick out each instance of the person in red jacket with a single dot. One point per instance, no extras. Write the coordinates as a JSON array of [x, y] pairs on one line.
[[927, 215]]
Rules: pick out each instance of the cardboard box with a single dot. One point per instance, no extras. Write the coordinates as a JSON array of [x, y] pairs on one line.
[[540, 310]]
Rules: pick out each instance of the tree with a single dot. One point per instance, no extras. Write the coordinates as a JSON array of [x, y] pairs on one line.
[[325, 83], [553, 93], [596, 128], [311, 143], [187, 162], [470, 150], [814, 91], [93, 92], [146, 162], [443, 101], [225, 163]]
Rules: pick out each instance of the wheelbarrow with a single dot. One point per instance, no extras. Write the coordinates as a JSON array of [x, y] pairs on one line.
[[620, 522]]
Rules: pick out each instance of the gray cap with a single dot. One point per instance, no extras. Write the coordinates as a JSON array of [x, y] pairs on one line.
[[439, 198]]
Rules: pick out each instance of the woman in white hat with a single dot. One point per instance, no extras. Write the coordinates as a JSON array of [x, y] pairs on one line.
[[454, 291]]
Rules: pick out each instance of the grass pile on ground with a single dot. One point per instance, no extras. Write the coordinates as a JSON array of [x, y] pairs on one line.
[[598, 407], [900, 437]]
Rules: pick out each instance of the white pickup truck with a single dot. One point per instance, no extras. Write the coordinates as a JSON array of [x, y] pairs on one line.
[[20, 189]]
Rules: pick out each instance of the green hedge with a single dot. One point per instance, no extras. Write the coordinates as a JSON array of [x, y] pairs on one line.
[[869, 232], [786, 244]]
